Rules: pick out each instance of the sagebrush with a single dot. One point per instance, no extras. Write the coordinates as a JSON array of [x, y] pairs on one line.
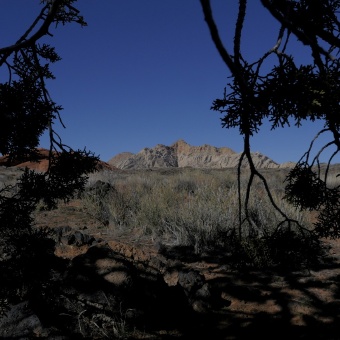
[[197, 208]]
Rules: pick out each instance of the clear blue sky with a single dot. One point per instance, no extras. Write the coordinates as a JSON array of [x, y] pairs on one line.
[[146, 72]]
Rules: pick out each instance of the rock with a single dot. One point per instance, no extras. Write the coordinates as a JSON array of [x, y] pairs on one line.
[[97, 290], [191, 281], [68, 236], [171, 277], [181, 154], [103, 285], [160, 156], [41, 162], [80, 239], [20, 322], [61, 234]]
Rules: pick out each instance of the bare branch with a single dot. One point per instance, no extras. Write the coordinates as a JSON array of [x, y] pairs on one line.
[[235, 70], [238, 30], [43, 30], [301, 35]]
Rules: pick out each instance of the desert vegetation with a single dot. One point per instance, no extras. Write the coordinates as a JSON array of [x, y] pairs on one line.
[[241, 214], [199, 208]]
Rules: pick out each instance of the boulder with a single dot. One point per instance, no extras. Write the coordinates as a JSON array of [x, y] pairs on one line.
[[20, 322]]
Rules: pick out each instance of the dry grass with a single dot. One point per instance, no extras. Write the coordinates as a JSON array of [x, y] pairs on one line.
[[188, 207]]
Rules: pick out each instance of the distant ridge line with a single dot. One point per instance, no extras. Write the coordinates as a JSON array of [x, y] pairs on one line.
[[181, 154]]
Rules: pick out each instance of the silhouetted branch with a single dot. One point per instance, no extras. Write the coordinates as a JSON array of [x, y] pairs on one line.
[[43, 30]]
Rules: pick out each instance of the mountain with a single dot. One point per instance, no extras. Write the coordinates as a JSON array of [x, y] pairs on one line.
[[181, 154]]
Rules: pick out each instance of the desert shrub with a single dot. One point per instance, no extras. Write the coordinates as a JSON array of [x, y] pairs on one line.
[[95, 200], [110, 205], [186, 185], [198, 208], [288, 249], [292, 247]]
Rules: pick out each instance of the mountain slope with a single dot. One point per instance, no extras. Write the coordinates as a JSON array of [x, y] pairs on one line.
[[182, 154]]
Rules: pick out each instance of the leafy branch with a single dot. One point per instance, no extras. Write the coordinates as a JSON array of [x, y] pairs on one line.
[[288, 92]]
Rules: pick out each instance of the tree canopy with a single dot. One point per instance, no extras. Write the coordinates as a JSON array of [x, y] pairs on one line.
[[289, 93], [27, 110]]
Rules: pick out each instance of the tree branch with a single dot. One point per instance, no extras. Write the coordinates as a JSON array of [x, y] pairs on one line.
[[238, 30], [43, 30], [293, 27], [208, 17]]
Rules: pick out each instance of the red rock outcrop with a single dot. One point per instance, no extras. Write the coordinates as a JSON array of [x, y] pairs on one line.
[[41, 165]]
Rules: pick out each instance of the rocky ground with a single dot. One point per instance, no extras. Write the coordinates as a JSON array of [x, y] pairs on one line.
[[118, 285], [186, 295]]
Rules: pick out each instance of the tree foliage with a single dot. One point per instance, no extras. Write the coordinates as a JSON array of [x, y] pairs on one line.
[[26, 112], [289, 93]]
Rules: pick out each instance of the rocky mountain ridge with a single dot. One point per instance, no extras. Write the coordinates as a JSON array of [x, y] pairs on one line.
[[181, 154]]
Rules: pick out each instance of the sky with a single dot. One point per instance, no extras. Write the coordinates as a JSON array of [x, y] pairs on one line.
[[144, 73]]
